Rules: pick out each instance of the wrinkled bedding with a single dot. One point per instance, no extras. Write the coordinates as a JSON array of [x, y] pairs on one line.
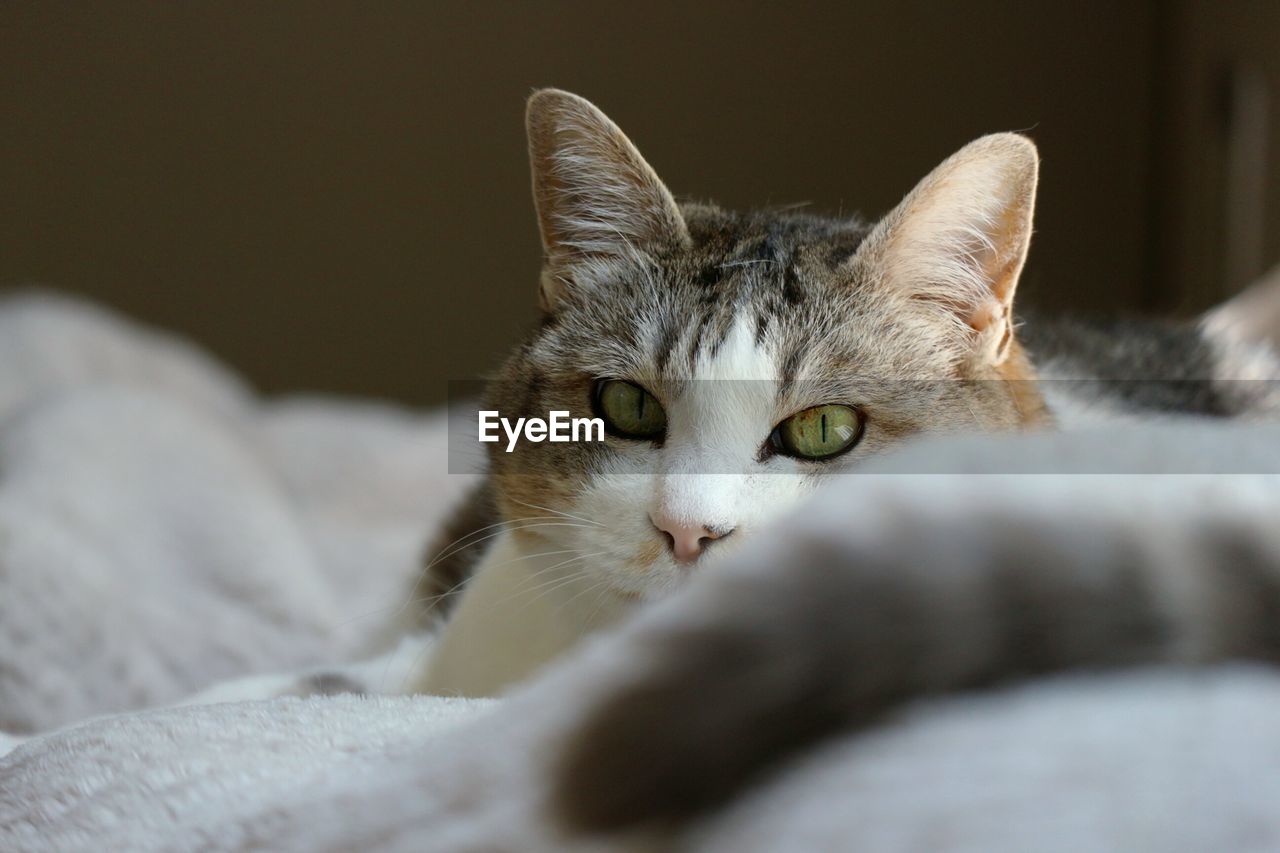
[[162, 528]]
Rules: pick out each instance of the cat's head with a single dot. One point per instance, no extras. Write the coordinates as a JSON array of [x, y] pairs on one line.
[[738, 359]]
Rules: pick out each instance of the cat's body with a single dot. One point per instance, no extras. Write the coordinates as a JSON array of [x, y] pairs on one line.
[[1101, 371], [732, 322], [728, 338]]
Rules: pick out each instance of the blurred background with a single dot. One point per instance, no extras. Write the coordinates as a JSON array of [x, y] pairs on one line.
[[334, 195]]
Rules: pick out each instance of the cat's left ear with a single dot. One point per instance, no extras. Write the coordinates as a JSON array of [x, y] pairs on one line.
[[956, 244], [595, 195]]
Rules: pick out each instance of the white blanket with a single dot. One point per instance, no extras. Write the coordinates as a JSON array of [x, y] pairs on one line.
[[161, 529]]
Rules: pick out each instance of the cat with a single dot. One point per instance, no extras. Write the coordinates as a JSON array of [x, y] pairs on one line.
[[713, 344]]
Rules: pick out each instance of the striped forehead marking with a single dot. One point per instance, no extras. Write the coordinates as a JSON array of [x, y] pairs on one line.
[[738, 356]]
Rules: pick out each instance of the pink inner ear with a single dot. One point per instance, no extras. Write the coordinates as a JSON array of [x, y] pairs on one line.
[[986, 315], [989, 320]]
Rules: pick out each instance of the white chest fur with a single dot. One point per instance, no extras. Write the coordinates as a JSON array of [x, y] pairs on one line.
[[520, 611]]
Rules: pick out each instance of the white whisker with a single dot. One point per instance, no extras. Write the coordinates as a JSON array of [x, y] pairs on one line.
[[521, 588], [450, 550], [559, 512]]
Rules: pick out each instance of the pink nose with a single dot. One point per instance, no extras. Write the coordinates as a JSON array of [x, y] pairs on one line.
[[686, 541]]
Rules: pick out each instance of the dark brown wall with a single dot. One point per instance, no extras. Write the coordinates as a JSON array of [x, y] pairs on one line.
[[1217, 193], [334, 195]]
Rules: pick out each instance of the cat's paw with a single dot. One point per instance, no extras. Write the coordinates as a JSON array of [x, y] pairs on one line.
[[264, 687]]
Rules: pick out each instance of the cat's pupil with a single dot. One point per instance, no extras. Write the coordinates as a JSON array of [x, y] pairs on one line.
[[628, 410], [820, 432]]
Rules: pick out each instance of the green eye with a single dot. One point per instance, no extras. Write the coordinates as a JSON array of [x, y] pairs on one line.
[[629, 410], [818, 433]]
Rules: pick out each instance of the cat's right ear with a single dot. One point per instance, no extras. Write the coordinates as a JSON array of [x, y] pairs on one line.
[[595, 195]]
